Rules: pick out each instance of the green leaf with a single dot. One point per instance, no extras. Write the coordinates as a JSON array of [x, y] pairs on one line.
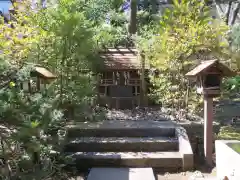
[[34, 124]]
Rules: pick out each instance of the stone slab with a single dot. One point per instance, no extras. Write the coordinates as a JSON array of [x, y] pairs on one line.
[[121, 174], [122, 139], [118, 124], [128, 155], [123, 128], [128, 159], [185, 149], [125, 144], [227, 159]]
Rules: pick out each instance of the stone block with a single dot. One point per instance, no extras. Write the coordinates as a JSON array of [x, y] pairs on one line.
[[227, 159], [121, 174], [123, 144], [185, 148]]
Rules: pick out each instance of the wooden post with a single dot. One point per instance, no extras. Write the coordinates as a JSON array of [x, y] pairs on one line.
[[38, 84], [208, 129], [29, 87], [143, 94]]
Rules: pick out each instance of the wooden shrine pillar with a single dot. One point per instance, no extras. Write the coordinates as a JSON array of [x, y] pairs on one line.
[[208, 129], [143, 93]]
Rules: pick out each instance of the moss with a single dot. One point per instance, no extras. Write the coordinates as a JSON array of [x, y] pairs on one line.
[[236, 147]]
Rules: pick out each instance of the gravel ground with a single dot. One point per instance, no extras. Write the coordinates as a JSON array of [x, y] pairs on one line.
[[224, 109], [196, 175], [201, 172], [151, 114]]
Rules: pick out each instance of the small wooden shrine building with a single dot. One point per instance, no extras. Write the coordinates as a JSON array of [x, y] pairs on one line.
[[40, 78], [119, 83]]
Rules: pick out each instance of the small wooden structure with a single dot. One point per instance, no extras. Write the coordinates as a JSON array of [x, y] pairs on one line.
[[209, 76], [40, 77], [120, 83]]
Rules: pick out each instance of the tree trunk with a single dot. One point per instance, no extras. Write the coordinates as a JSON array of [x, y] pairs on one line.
[[154, 6], [133, 17], [145, 4], [228, 11], [235, 14], [62, 63]]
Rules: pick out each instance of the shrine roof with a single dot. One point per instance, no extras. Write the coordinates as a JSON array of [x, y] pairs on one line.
[[121, 58], [44, 72], [205, 65]]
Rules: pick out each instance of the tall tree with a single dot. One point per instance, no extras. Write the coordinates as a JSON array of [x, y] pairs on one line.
[[154, 7], [184, 34], [62, 39], [133, 17], [229, 10], [69, 50]]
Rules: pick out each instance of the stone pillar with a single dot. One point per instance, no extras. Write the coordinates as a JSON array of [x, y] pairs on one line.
[[208, 129]]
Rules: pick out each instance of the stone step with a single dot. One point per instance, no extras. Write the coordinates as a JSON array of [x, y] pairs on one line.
[[121, 174], [164, 160], [134, 132], [123, 144], [122, 129]]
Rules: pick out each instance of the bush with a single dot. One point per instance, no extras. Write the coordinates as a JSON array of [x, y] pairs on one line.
[[229, 133]]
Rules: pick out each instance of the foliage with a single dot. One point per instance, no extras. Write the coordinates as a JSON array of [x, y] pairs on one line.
[[232, 85], [17, 38], [27, 144], [110, 36], [96, 10], [182, 35], [229, 133], [32, 125], [235, 45], [146, 19], [69, 50], [111, 22]]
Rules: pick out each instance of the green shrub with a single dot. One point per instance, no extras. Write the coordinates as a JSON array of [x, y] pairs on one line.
[[229, 133]]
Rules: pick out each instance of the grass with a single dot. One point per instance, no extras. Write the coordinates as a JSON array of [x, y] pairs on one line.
[[236, 147]]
